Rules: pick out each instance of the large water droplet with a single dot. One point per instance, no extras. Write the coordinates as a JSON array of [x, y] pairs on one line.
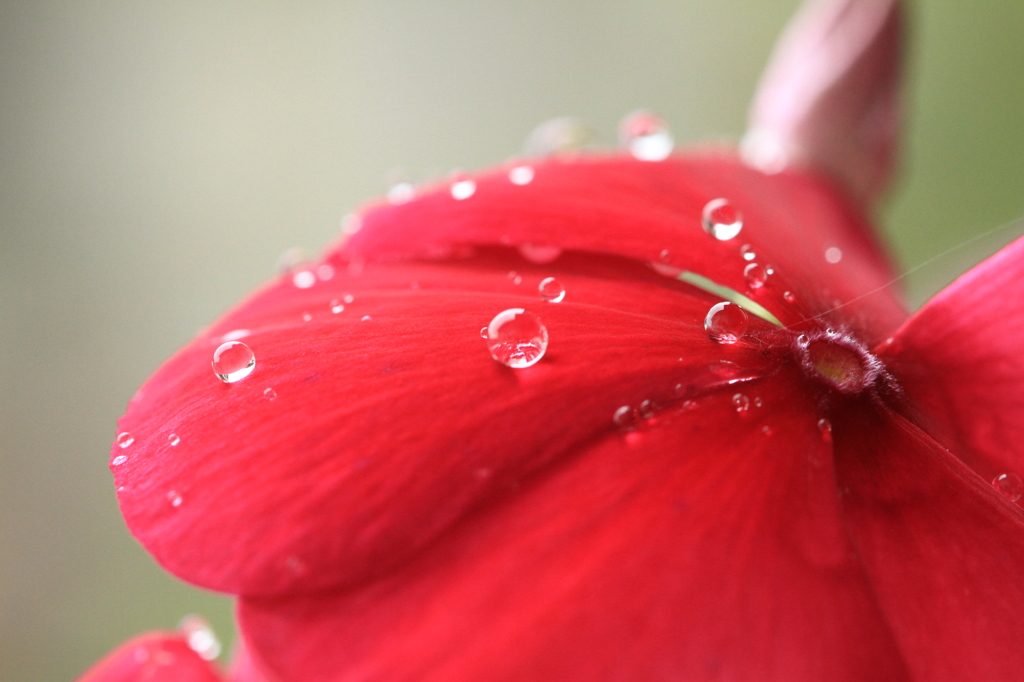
[[521, 175], [756, 275], [119, 460], [726, 323], [551, 290], [233, 361], [304, 279], [463, 189], [173, 439], [124, 439], [516, 338], [541, 255], [351, 223], [1009, 486], [200, 637], [721, 219], [646, 136]]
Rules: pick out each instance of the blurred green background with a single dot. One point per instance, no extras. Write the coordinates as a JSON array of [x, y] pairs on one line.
[[156, 158]]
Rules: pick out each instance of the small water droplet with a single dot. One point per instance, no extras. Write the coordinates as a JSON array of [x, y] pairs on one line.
[[541, 255], [351, 223], [666, 270], [766, 430], [200, 637], [747, 252], [269, 393], [741, 403], [758, 402], [401, 193], [689, 405], [173, 439], [1009, 486], [833, 254], [516, 338], [235, 335], [348, 298], [306, 317], [647, 409], [515, 277], [119, 460], [324, 272], [291, 259], [551, 290], [521, 175], [124, 439], [483, 332], [463, 189], [803, 341], [789, 297], [726, 323], [564, 135], [233, 361], [646, 136], [665, 256], [626, 418], [722, 220], [337, 306], [366, 318], [174, 498], [825, 428], [304, 279], [756, 275]]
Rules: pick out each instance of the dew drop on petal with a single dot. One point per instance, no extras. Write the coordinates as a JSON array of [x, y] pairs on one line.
[[515, 277], [833, 254], [789, 297], [756, 275], [401, 193], [521, 175], [825, 428], [337, 306], [325, 272], [306, 317], [721, 219], [463, 189], [173, 439], [200, 637], [235, 335], [558, 136], [726, 323], [626, 418], [304, 279], [483, 332], [516, 338], [741, 403], [291, 259], [269, 393], [689, 405], [124, 439], [174, 498], [119, 460], [233, 361], [646, 136], [766, 430], [541, 255], [747, 252], [1009, 486], [348, 298], [647, 409], [351, 223], [551, 290], [366, 318]]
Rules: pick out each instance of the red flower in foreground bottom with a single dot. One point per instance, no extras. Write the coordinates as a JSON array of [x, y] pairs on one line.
[[675, 490]]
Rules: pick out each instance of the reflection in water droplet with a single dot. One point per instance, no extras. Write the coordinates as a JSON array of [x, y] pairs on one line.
[[551, 290], [516, 338], [233, 361], [173, 439], [119, 460], [625, 417], [337, 306], [521, 175], [747, 251], [825, 427], [726, 323], [833, 254], [789, 297], [200, 637], [269, 393], [401, 193], [646, 136], [174, 498], [538, 254], [722, 220], [124, 439], [463, 189], [303, 279], [741, 403], [756, 275], [1009, 486]]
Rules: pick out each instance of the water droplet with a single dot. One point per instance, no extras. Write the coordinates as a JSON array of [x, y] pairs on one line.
[[647, 409], [646, 136], [726, 323], [833, 254], [173, 439], [291, 259], [551, 290], [789, 297], [200, 637], [766, 430], [1009, 486], [516, 338], [756, 275], [233, 361], [304, 279], [825, 428], [722, 220], [483, 332], [564, 135], [351, 223], [306, 317], [541, 255], [348, 298], [269, 393], [747, 252], [626, 418], [741, 403], [235, 335], [521, 175], [463, 189], [401, 193], [665, 256], [689, 405], [758, 402], [803, 341], [337, 306], [124, 439], [666, 270], [119, 460], [325, 271], [515, 277], [174, 498], [366, 318]]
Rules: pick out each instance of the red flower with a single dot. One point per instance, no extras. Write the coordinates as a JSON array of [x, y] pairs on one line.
[[665, 494]]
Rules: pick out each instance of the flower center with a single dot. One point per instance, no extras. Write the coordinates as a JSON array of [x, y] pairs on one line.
[[838, 360]]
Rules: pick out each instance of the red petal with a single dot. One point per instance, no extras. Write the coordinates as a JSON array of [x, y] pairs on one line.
[[830, 97], [653, 212], [382, 433], [943, 549], [961, 363], [698, 548], [153, 657]]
